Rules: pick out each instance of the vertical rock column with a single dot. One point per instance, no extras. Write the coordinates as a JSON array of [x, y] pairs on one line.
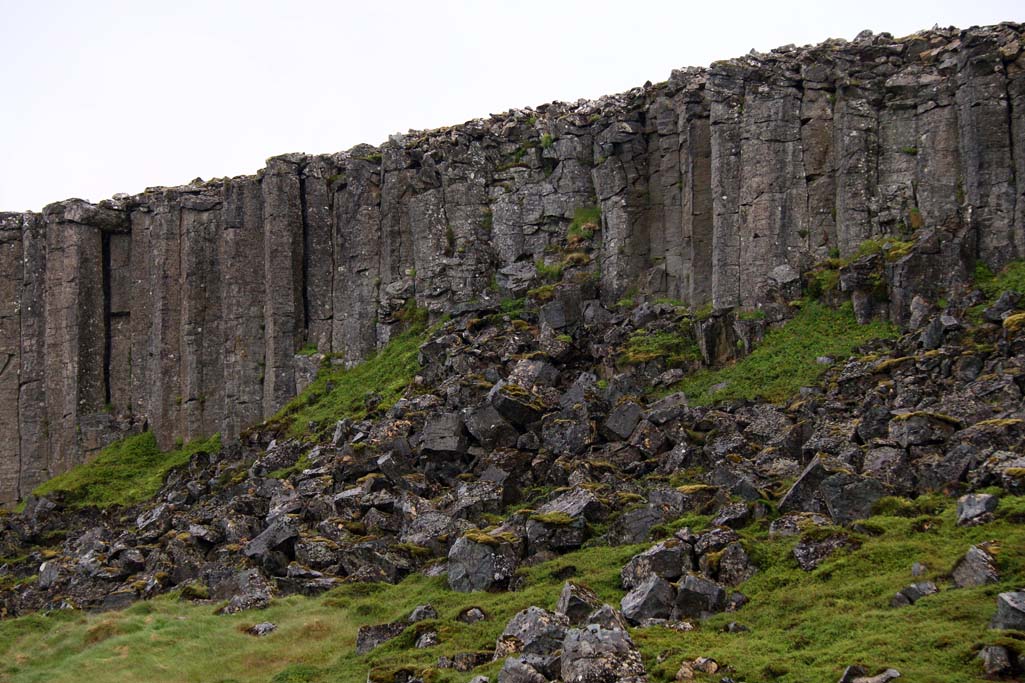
[[283, 272], [318, 251], [75, 368], [726, 86], [696, 195], [243, 291], [621, 184], [357, 259], [773, 196], [32, 415], [156, 313], [984, 122], [10, 354], [202, 333]]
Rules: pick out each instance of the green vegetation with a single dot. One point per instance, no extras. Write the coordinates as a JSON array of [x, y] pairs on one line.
[[585, 221], [301, 464], [547, 141], [126, 472], [825, 277], [552, 273], [1010, 279], [785, 360], [308, 350], [676, 347], [805, 626], [375, 384]]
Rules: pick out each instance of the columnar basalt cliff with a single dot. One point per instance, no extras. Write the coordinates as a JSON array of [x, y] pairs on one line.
[[184, 308]]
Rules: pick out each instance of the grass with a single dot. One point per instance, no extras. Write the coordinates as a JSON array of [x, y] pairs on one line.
[[785, 360], [585, 221], [805, 626], [676, 347], [336, 393], [124, 473], [1010, 279]]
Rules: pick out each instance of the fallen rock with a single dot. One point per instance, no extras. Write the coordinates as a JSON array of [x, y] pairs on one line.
[[654, 598], [858, 674], [976, 568], [976, 508], [667, 559], [596, 655], [480, 562], [909, 595], [532, 631], [576, 602], [997, 660], [261, 629], [371, 636], [1010, 611], [698, 597]]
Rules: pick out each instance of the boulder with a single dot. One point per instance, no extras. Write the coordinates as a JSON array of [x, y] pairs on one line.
[[909, 595], [533, 631], [668, 560], [849, 497], [480, 562], [697, 597], [444, 434], [622, 421], [997, 660], [369, 637], [976, 568], [596, 655], [976, 508], [1010, 611], [654, 598], [576, 602]]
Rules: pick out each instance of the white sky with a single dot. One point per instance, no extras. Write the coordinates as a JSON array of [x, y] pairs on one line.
[[104, 96]]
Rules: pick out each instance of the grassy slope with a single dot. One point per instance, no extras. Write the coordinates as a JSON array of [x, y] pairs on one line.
[[804, 626], [339, 392], [126, 472], [785, 360]]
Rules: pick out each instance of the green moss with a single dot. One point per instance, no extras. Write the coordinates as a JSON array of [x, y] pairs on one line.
[[676, 347], [553, 518], [547, 141], [552, 273], [338, 392], [785, 360], [586, 220], [124, 473]]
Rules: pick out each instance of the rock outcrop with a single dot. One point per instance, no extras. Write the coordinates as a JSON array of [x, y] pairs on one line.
[[182, 309]]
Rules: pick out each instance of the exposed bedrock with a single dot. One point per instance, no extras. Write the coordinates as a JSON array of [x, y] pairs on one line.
[[183, 309]]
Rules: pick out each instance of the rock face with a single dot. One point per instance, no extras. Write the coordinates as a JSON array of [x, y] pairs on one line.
[[182, 308]]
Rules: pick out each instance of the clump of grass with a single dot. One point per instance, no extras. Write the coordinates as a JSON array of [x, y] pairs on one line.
[[551, 273], [1010, 279], [785, 361], [338, 392], [124, 473], [586, 221], [676, 347]]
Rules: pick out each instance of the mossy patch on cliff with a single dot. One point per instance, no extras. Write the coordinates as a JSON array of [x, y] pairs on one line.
[[126, 472], [786, 360], [356, 392]]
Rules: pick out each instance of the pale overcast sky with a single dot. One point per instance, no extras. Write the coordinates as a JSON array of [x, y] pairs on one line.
[[103, 97]]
